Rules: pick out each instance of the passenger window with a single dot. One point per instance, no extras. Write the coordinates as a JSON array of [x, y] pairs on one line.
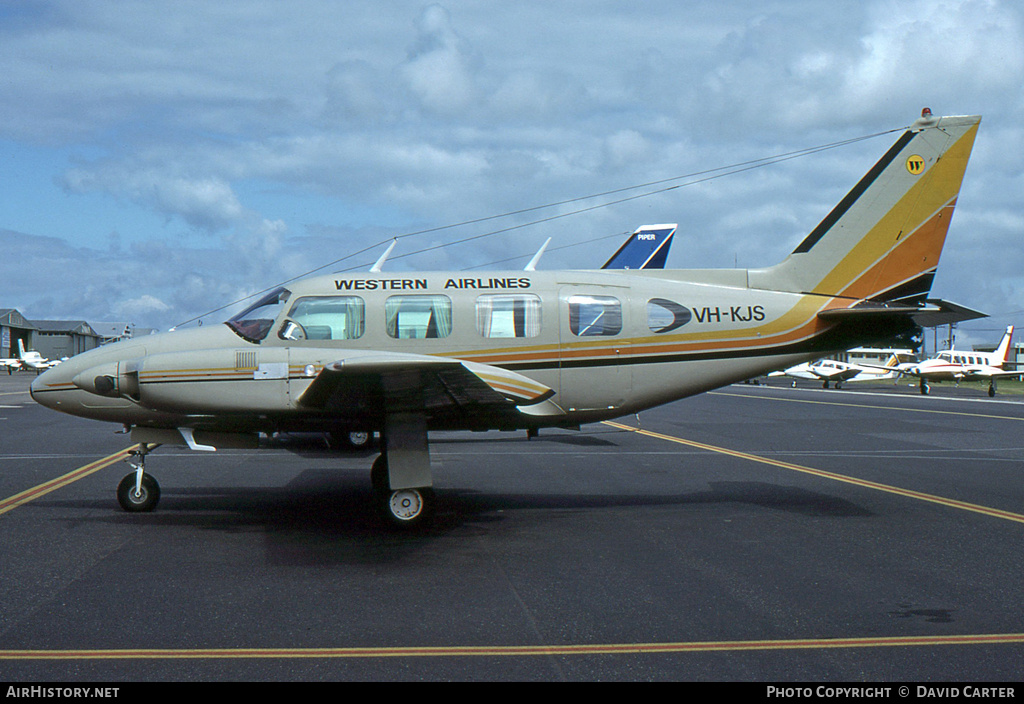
[[326, 318], [595, 316], [508, 315], [664, 315], [418, 317]]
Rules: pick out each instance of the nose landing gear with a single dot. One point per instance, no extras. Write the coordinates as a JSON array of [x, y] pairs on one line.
[[139, 492]]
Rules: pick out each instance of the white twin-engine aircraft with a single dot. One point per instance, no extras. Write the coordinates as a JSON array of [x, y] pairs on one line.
[[838, 373], [961, 365], [30, 359], [405, 354]]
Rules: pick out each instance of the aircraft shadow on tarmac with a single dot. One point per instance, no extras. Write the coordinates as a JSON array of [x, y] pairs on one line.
[[323, 516]]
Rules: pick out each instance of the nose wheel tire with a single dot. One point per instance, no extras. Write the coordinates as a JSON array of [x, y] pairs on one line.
[[138, 499]]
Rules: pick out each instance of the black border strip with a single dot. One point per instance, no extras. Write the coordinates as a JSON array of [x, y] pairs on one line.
[[847, 202]]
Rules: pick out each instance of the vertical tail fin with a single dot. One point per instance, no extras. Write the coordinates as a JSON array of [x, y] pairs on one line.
[[646, 248], [883, 240], [1003, 350]]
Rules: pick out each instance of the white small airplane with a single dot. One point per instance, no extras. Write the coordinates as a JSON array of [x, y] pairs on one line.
[[837, 373], [33, 360], [960, 365], [403, 355]]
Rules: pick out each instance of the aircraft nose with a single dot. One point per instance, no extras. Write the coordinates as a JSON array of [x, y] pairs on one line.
[[46, 388], [38, 385]]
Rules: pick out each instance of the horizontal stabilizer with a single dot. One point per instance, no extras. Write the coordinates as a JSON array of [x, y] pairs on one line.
[[646, 248], [935, 313]]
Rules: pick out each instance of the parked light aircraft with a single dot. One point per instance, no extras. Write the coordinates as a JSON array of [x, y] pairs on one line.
[[959, 365], [30, 359], [405, 354], [837, 373]]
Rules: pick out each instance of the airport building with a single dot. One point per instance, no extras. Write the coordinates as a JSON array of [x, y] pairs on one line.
[[874, 355], [56, 339], [14, 327], [1016, 351]]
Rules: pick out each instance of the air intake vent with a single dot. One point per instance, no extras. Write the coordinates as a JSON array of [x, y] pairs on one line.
[[245, 360]]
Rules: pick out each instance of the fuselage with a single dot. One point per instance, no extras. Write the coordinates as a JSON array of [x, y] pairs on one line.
[[955, 365], [606, 343]]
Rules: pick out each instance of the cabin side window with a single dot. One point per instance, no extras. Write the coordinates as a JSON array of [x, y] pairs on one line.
[[418, 317], [664, 315], [508, 315], [595, 315], [326, 318]]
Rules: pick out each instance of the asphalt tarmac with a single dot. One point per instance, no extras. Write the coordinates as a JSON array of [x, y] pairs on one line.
[[753, 534]]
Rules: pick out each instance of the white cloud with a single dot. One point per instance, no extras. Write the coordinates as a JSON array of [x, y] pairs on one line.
[[439, 70], [140, 308], [208, 203]]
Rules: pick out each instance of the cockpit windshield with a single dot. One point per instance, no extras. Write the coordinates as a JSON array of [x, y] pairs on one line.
[[255, 322]]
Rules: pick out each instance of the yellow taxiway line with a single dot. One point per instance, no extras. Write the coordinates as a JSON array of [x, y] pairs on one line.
[[919, 495], [35, 492], [510, 650]]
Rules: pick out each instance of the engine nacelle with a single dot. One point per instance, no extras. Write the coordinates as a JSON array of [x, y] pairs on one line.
[[113, 380]]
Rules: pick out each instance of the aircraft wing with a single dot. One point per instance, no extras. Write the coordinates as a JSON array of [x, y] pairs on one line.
[[846, 374], [382, 383], [902, 369]]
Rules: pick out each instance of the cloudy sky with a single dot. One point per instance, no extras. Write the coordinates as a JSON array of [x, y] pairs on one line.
[[162, 159]]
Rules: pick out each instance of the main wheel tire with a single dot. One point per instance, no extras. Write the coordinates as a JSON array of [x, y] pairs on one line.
[[359, 439], [145, 500], [351, 440], [407, 509]]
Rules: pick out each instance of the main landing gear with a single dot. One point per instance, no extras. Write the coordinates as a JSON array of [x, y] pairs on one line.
[[401, 476], [407, 508]]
